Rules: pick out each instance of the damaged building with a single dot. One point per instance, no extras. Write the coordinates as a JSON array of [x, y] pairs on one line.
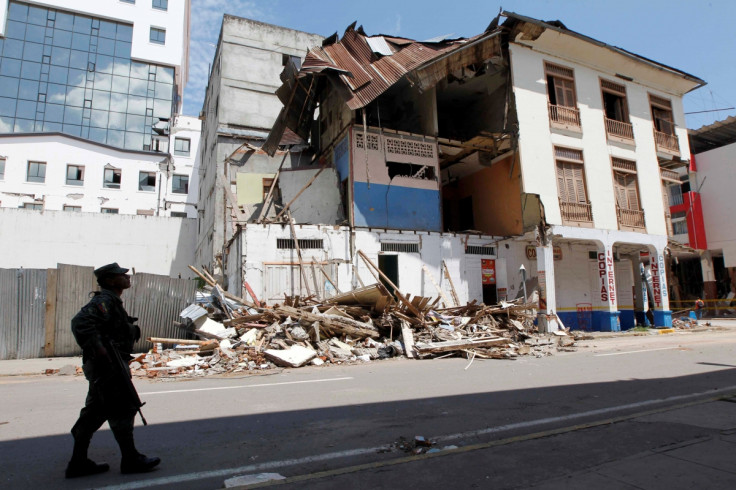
[[529, 159]]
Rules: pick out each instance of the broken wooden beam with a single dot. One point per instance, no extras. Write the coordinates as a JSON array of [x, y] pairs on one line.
[[463, 344]]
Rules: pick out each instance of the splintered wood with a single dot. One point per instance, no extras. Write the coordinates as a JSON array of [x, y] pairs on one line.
[[227, 334]]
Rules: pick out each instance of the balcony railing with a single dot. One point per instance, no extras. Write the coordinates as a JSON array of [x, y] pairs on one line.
[[666, 142], [630, 218], [575, 211], [620, 129], [565, 116]]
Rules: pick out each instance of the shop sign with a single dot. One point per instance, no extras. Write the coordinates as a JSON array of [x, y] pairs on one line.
[[531, 252], [488, 271]]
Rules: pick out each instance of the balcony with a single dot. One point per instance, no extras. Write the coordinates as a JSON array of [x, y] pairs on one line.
[[619, 129], [666, 143], [564, 117], [577, 212], [628, 218]]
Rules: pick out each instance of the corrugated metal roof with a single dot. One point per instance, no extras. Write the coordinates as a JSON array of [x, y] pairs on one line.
[[720, 133]]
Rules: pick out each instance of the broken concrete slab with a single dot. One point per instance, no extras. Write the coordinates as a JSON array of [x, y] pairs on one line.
[[295, 356]]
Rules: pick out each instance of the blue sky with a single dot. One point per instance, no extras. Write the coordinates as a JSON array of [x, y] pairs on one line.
[[693, 36]]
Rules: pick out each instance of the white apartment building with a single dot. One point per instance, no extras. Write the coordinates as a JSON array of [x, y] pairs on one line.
[[88, 95], [600, 129]]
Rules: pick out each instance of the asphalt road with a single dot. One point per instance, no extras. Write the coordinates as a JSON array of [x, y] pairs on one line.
[[302, 421]]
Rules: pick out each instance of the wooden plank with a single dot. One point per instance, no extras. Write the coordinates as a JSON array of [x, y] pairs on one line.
[[314, 177], [452, 286], [242, 217], [408, 337], [437, 286], [329, 279], [267, 201], [452, 345], [299, 255], [50, 318], [252, 294], [212, 284], [162, 340]]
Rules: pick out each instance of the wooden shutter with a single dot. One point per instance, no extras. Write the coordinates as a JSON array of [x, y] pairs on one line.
[[571, 182], [632, 192], [627, 194], [561, 185], [579, 183], [565, 92], [619, 186]]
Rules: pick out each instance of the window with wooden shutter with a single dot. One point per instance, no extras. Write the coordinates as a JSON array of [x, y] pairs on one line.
[[561, 85], [626, 190], [627, 194], [571, 182]]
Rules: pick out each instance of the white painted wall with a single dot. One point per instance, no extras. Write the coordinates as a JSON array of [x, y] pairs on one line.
[[58, 151], [537, 140], [259, 252], [155, 245], [175, 52], [187, 127], [717, 174]]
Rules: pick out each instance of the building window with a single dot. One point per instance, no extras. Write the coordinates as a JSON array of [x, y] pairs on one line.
[[628, 207], [33, 205], [75, 209], [73, 73], [36, 172], [144, 212], [563, 110], [147, 181], [161, 4], [128, 1], [182, 146], [74, 175], [109, 210], [158, 36], [616, 110], [664, 124], [178, 214], [113, 177], [180, 184], [574, 204], [679, 223], [2, 169]]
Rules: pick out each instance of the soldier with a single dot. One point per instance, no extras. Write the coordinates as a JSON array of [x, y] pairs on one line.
[[100, 328]]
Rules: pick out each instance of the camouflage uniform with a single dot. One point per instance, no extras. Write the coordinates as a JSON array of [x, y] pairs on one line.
[[104, 319]]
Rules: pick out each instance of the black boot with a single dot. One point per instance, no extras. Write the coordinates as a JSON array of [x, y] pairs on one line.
[[138, 463], [84, 467]]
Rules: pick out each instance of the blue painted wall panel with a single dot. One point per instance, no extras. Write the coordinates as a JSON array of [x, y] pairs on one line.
[[384, 206], [342, 158]]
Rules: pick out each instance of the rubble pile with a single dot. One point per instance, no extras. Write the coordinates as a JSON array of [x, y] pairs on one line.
[[232, 335]]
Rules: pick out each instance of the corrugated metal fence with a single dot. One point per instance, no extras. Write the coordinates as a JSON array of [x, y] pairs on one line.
[[31, 326]]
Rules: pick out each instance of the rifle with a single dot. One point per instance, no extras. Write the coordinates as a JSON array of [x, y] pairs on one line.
[[121, 372]]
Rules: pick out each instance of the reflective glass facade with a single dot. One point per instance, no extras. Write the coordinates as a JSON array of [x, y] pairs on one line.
[[72, 73]]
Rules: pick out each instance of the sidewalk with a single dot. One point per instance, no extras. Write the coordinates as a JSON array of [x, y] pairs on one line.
[[28, 367]]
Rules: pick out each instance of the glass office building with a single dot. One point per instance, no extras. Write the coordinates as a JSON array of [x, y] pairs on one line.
[[72, 73]]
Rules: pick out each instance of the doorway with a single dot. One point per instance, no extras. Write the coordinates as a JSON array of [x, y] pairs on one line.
[[389, 265]]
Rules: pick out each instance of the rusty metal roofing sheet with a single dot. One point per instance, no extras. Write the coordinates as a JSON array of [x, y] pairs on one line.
[[342, 58], [358, 47]]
